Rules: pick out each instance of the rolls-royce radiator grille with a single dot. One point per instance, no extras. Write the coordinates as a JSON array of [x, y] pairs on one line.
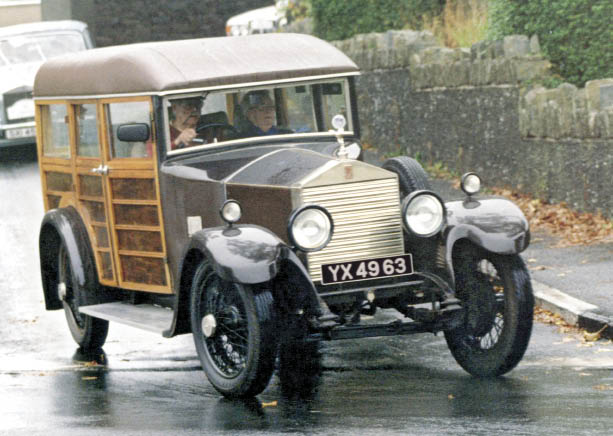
[[366, 218]]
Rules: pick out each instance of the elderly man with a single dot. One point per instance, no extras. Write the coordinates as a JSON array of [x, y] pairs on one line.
[[259, 109]]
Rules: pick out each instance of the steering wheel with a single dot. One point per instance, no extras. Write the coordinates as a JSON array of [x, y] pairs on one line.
[[220, 125]]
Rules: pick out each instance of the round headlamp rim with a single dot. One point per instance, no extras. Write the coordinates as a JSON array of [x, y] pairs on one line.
[[223, 207], [463, 182], [405, 204], [292, 218]]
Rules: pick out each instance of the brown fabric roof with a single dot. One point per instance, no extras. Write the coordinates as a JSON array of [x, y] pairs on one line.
[[196, 63]]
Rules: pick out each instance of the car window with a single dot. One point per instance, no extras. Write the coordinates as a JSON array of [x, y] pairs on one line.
[[87, 130], [37, 48], [56, 142], [127, 113]]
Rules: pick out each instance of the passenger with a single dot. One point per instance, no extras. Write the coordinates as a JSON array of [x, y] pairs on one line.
[[259, 109], [184, 115]]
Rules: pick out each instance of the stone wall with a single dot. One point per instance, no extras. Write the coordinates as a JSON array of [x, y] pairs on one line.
[[114, 22], [483, 109]]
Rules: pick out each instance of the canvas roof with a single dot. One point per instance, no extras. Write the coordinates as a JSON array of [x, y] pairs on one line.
[[157, 67]]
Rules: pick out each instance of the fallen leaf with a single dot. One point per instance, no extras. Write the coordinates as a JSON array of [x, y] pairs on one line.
[[89, 378], [538, 268], [604, 387], [270, 404], [593, 336], [450, 397], [531, 260]]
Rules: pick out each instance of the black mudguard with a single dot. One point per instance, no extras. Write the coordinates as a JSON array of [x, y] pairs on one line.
[[64, 226], [247, 254], [496, 224]]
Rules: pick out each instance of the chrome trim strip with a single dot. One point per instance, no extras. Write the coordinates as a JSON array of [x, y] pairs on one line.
[[253, 139]]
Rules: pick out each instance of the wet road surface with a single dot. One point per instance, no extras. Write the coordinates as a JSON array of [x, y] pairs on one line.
[[145, 384]]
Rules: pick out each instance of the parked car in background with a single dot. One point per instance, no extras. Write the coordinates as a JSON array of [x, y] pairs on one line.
[[23, 48], [262, 20]]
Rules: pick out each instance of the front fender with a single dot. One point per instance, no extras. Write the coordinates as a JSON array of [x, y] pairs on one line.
[[496, 224], [64, 226], [245, 254]]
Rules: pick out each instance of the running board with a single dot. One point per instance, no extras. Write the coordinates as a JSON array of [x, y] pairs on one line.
[[148, 317]]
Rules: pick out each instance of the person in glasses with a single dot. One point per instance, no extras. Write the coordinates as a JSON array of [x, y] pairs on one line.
[[184, 116]]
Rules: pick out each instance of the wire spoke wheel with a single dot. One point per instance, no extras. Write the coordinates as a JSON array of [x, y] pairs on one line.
[[496, 294], [233, 329]]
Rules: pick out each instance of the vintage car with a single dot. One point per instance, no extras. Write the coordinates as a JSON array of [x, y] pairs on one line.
[[217, 187], [23, 48]]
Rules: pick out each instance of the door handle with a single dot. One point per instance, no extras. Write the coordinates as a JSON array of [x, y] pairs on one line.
[[102, 170]]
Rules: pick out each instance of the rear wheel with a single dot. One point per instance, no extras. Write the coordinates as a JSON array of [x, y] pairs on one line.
[[88, 332], [497, 295], [234, 334]]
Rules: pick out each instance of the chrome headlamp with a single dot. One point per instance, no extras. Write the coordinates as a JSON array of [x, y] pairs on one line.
[[310, 228], [423, 213], [470, 183], [230, 211]]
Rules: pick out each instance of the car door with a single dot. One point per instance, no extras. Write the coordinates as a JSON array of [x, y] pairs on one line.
[[133, 199]]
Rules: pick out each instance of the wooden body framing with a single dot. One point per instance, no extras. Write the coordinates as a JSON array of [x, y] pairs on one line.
[[121, 209]]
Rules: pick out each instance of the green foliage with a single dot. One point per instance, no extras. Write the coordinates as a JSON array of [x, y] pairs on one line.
[[575, 35], [341, 19]]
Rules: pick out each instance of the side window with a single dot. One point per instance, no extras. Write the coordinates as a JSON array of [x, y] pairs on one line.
[[56, 141], [126, 113], [87, 130]]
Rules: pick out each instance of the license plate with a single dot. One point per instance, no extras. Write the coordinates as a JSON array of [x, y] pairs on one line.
[[366, 269], [24, 132]]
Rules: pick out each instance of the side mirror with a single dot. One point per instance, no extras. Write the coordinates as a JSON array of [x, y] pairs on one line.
[[134, 132]]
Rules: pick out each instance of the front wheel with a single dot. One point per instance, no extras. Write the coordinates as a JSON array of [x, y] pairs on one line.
[[496, 293], [233, 329]]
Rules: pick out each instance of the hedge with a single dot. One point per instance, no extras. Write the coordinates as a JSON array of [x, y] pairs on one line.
[[575, 35], [341, 19]]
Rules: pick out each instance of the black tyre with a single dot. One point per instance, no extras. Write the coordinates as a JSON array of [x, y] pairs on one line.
[[234, 333], [497, 295], [88, 332], [411, 175], [299, 360]]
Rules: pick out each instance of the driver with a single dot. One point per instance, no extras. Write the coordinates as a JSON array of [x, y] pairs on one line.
[[184, 115]]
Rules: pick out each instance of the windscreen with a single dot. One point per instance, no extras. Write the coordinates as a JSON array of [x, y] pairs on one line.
[[297, 109], [38, 48]]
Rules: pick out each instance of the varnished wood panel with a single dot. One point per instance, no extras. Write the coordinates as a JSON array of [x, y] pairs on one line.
[[136, 240], [90, 186], [95, 210], [102, 236], [59, 181], [53, 201], [106, 265], [136, 215], [133, 189], [143, 270]]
